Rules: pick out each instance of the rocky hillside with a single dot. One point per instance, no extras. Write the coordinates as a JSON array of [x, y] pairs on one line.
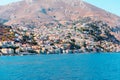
[[82, 35], [35, 13], [39, 11]]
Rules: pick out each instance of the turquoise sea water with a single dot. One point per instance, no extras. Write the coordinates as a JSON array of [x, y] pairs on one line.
[[61, 67]]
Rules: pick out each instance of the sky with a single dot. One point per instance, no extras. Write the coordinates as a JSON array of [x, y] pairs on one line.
[[112, 6], [4, 2]]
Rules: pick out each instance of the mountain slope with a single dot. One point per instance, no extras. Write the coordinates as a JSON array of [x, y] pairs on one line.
[[50, 10], [35, 13], [59, 24]]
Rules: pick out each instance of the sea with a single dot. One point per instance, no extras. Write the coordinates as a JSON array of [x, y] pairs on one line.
[[94, 66]]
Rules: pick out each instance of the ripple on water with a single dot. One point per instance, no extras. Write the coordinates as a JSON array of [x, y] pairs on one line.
[[61, 67]]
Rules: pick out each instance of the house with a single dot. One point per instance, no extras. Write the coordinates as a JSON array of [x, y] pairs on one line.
[[7, 51], [1, 43]]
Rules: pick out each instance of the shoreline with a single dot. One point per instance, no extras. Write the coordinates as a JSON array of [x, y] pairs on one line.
[[27, 54]]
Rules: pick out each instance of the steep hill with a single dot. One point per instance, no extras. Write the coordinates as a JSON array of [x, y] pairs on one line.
[[50, 10], [35, 13]]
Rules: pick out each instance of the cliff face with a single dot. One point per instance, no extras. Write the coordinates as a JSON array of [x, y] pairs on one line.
[[37, 13]]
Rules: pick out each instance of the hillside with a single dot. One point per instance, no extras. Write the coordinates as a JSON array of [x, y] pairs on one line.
[[51, 10], [57, 25], [34, 13], [83, 35]]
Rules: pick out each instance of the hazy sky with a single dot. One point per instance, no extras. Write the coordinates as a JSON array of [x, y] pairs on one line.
[[109, 5], [4, 2]]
